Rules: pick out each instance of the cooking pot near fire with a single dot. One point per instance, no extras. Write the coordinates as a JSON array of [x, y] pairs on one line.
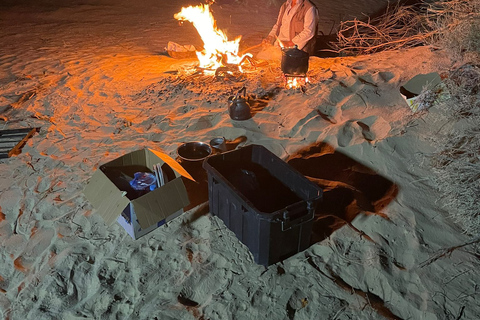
[[194, 151], [238, 106], [294, 61]]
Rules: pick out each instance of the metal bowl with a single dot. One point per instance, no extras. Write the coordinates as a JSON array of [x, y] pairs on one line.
[[194, 151]]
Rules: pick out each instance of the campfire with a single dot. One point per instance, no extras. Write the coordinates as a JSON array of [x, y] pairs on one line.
[[220, 56], [295, 82], [218, 53]]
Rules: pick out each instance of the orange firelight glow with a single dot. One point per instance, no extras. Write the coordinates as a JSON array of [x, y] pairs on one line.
[[295, 82], [218, 50]]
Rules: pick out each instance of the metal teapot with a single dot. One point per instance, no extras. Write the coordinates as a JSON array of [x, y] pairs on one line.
[[238, 106]]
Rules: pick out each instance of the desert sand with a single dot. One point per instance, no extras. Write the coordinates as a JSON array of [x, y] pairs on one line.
[[93, 76]]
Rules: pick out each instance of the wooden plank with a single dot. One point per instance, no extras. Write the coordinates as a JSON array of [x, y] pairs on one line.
[[13, 131], [13, 140], [17, 149], [12, 134], [8, 144], [19, 135]]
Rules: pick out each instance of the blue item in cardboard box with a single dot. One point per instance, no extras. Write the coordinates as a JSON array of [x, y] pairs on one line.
[[144, 181]]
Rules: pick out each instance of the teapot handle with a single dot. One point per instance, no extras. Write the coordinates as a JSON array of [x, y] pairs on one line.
[[244, 89]]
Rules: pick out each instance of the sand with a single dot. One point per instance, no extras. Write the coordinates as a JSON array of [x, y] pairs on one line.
[[91, 75]]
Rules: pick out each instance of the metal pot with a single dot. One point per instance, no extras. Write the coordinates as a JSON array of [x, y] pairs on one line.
[[294, 61], [238, 106], [194, 151], [218, 145]]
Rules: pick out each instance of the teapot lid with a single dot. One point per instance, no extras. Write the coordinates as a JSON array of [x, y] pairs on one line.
[[239, 99], [295, 52]]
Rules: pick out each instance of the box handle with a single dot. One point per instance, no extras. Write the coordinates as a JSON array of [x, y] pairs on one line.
[[288, 223]]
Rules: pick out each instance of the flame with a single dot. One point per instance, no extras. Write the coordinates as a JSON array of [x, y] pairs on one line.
[[218, 50], [295, 82]]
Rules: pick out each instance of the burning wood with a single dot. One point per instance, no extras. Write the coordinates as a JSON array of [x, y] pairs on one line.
[[295, 82], [218, 51]]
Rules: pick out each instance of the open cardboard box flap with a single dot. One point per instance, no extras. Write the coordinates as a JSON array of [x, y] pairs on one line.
[[430, 84], [173, 164], [420, 82], [149, 208], [156, 206], [105, 197]]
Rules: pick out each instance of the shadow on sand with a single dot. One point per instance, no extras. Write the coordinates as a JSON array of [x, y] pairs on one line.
[[349, 188]]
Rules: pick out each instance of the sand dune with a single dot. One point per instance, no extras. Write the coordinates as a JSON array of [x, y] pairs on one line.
[[91, 76]]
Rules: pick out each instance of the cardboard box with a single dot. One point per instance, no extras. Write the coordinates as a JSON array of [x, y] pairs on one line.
[[138, 215], [421, 91]]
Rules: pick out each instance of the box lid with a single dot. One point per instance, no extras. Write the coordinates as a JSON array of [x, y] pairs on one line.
[[422, 81], [149, 208], [105, 197]]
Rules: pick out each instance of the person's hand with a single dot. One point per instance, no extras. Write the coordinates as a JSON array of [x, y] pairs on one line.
[[288, 44], [268, 40]]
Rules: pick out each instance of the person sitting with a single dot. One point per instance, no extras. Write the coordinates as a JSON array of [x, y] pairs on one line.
[[296, 25]]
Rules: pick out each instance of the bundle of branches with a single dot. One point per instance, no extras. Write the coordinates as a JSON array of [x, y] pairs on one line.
[[457, 26], [399, 27], [450, 24], [458, 163]]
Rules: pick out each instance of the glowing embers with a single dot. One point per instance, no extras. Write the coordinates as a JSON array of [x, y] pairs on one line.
[[218, 52], [295, 82]]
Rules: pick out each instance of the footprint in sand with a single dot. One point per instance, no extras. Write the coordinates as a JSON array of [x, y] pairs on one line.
[[304, 305], [297, 301], [386, 76], [204, 122], [350, 134], [340, 93], [212, 279], [330, 113], [374, 128], [216, 311]]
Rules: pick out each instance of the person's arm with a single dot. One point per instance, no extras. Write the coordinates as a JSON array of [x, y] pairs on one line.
[[309, 27], [274, 32]]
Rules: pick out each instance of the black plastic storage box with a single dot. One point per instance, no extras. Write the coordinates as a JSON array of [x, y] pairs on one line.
[[267, 204]]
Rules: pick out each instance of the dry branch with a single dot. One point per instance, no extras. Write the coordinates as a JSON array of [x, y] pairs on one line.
[[458, 163], [450, 24], [399, 27]]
